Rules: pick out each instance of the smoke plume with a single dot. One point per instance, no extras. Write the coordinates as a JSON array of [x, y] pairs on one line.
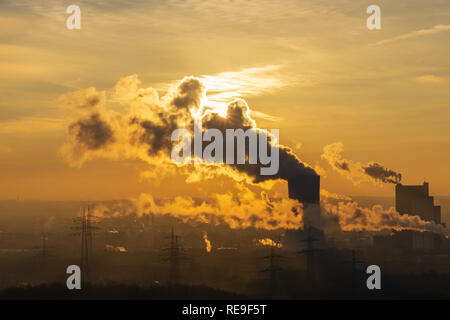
[[270, 243], [137, 123], [355, 171], [208, 245], [246, 209], [378, 172], [144, 129], [349, 216]]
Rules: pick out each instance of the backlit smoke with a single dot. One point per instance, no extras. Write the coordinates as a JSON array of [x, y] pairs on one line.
[[140, 124], [112, 248], [92, 133], [245, 209], [349, 216], [355, 171], [270, 243], [143, 129], [208, 245], [378, 172]]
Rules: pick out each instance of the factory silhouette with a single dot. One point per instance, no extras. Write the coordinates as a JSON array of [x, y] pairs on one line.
[[413, 200], [161, 257]]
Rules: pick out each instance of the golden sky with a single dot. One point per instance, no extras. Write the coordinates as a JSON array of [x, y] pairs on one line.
[[309, 68]]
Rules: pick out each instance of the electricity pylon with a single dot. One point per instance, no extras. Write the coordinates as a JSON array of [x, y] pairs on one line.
[[310, 250], [44, 249], [173, 255], [85, 225], [273, 270], [354, 265]]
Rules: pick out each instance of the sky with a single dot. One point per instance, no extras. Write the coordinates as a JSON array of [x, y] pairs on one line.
[[309, 68]]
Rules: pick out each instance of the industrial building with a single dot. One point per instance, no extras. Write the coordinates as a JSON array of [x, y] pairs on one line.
[[415, 200], [408, 240]]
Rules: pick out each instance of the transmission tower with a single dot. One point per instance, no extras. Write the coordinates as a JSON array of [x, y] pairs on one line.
[[310, 256], [43, 249], [174, 253], [85, 225], [44, 239], [354, 271], [273, 270]]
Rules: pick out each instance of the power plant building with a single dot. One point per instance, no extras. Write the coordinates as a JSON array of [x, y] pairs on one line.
[[415, 200]]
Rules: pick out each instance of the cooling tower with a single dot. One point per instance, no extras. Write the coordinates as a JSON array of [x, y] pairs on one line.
[[305, 189]]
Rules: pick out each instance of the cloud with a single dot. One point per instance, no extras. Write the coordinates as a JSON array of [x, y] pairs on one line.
[[31, 125], [265, 116], [429, 78], [423, 32], [92, 132], [225, 87]]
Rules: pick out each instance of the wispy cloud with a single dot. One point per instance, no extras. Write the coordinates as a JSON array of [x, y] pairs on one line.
[[423, 32], [223, 88], [428, 78], [228, 86], [31, 125]]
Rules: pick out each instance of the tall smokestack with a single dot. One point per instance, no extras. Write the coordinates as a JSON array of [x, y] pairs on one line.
[[305, 188]]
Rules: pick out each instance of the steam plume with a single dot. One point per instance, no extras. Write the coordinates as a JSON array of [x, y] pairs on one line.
[[245, 209], [208, 245], [270, 243], [349, 216], [355, 171], [144, 129], [378, 172]]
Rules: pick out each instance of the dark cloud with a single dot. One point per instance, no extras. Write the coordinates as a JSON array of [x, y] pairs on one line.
[[156, 135], [189, 93], [92, 132]]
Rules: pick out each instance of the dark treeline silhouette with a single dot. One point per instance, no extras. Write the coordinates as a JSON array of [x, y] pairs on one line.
[[58, 291]]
